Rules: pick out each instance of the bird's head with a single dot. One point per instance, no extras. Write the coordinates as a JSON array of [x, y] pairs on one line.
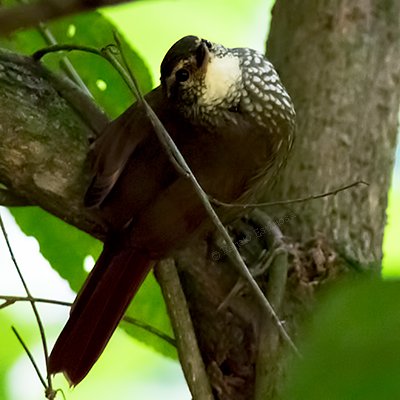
[[198, 75], [214, 84]]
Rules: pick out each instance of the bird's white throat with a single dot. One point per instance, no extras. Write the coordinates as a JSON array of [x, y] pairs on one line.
[[222, 78]]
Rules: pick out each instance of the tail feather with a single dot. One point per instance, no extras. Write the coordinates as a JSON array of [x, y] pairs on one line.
[[97, 310]]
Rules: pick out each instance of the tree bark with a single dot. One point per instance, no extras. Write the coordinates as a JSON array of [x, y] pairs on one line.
[[45, 140], [339, 62]]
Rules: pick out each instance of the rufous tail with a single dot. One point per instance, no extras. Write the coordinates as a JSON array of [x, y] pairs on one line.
[[96, 312]]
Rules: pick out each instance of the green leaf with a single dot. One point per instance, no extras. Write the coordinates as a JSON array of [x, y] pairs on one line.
[[90, 29], [66, 247], [391, 248], [63, 245], [148, 306], [10, 350], [352, 348]]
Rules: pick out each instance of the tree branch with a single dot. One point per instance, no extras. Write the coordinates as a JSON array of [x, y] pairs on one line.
[[46, 126], [188, 350], [10, 199], [28, 15], [30, 356], [332, 192], [268, 340]]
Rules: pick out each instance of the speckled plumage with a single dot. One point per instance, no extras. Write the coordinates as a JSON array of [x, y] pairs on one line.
[[258, 81], [256, 92]]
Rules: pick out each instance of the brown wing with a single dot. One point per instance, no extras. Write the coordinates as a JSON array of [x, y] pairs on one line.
[[137, 187], [115, 146], [223, 163]]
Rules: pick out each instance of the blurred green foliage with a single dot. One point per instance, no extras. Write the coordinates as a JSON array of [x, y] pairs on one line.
[[391, 243], [89, 29], [64, 246], [351, 348], [153, 26], [10, 350]]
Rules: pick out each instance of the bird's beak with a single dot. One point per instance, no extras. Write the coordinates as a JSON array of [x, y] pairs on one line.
[[202, 55]]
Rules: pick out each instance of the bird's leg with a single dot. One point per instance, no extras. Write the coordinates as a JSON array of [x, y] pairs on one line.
[[271, 260], [240, 284], [265, 260]]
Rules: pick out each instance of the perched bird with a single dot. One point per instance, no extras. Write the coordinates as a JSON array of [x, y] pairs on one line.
[[230, 116]]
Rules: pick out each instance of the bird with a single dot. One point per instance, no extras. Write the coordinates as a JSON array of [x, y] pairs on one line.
[[233, 121]]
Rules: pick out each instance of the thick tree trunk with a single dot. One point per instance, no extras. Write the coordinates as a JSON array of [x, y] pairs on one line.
[[339, 61]]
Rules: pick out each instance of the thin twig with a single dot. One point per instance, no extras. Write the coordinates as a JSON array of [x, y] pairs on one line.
[[6, 304], [132, 83], [62, 393], [181, 164], [30, 356], [150, 329], [34, 308], [290, 201], [108, 54], [65, 63], [37, 55], [10, 300]]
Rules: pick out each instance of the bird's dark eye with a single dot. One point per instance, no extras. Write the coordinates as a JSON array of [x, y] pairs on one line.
[[182, 75]]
